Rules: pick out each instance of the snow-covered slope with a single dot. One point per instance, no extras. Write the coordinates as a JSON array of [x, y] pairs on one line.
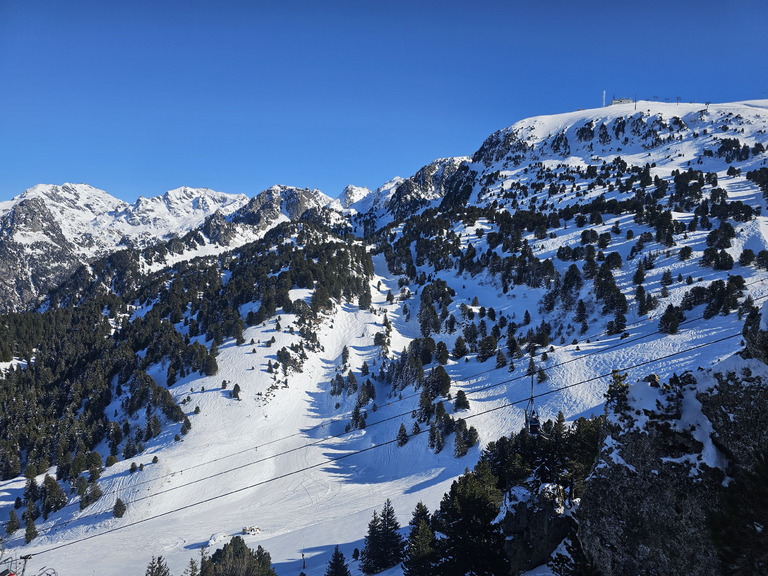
[[668, 136], [279, 458]]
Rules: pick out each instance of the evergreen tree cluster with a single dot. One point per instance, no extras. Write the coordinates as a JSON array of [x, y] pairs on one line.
[[233, 559], [383, 544], [53, 411]]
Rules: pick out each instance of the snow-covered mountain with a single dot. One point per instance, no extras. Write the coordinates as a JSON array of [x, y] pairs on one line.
[[566, 247], [351, 195], [48, 231]]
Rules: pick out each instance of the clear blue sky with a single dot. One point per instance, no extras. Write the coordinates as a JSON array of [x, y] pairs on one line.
[[138, 97]]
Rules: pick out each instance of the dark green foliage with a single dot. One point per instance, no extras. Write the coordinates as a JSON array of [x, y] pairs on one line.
[[760, 177], [486, 348], [236, 558], [53, 497], [567, 457], [606, 290], [670, 320], [441, 353], [460, 348], [92, 493], [31, 530], [337, 565], [720, 297], [472, 542], [384, 546], [617, 393], [747, 257], [464, 439], [402, 435], [13, 522], [157, 567], [461, 402], [435, 296], [364, 299], [78, 353], [419, 554], [738, 527], [119, 508]]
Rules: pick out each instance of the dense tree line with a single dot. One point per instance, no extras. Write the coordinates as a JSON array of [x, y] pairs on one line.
[[83, 353]]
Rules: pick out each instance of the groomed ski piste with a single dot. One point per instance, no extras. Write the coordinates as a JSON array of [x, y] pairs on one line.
[[279, 458]]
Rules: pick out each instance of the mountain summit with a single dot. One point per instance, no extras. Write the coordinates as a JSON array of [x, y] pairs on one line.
[[281, 366]]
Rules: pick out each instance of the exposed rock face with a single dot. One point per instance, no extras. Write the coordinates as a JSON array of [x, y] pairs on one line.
[[48, 231], [427, 184], [534, 527], [34, 254], [500, 145], [663, 468], [278, 201]]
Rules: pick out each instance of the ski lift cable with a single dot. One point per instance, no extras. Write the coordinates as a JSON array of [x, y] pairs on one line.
[[373, 447], [324, 439], [341, 418]]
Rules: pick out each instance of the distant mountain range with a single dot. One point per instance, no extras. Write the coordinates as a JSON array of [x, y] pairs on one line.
[[607, 267], [49, 230]]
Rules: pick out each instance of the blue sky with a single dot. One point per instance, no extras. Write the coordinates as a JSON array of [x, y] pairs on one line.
[[143, 96]]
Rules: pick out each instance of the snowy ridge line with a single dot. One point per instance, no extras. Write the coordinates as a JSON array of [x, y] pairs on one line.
[[369, 448], [317, 442]]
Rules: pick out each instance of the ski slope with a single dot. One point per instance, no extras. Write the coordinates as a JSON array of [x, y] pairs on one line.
[[279, 457]]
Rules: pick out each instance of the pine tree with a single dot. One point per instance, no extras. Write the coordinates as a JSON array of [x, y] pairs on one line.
[[420, 512], [54, 498], [461, 402], [370, 556], [31, 531], [531, 367], [501, 360], [13, 522], [383, 544], [460, 445], [420, 550], [439, 441], [460, 348], [157, 567], [391, 542], [402, 435], [336, 565], [119, 508], [191, 569], [671, 319], [473, 543]]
